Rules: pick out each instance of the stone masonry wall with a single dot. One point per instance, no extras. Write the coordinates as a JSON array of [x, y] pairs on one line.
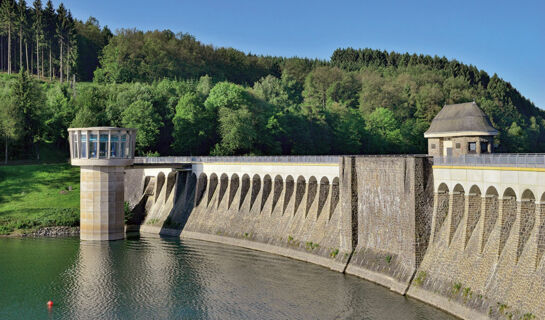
[[488, 265], [394, 211]]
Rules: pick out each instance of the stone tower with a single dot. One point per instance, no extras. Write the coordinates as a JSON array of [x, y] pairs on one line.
[[460, 129], [102, 153]]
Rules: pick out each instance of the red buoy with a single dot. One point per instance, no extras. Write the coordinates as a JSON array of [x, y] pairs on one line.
[[50, 303]]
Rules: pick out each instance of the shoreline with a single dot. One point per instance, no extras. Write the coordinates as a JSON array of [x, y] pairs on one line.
[[45, 232]]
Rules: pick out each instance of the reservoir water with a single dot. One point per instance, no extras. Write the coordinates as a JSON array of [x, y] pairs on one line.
[[169, 278]]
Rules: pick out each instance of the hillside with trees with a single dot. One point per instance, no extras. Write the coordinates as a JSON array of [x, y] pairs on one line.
[[189, 98]]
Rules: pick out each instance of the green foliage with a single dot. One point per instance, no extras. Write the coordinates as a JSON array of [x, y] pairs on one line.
[[242, 120], [90, 104], [128, 214], [388, 259], [153, 221], [528, 316], [467, 293], [384, 130], [456, 287], [187, 98], [142, 116], [502, 307], [309, 245], [51, 217], [35, 196], [194, 126], [419, 280], [133, 55], [317, 84], [291, 241]]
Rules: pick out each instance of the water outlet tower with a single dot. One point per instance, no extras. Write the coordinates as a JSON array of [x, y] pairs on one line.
[[102, 153]]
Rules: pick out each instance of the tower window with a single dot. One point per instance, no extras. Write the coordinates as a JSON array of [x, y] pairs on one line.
[[484, 147], [472, 147]]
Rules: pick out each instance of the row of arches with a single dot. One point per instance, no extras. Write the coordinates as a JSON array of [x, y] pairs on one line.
[[160, 180], [260, 190], [490, 208]]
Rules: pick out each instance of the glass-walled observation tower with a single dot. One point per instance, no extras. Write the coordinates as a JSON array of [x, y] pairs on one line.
[[102, 153], [111, 145]]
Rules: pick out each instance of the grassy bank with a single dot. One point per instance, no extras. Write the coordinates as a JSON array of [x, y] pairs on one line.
[[34, 196]]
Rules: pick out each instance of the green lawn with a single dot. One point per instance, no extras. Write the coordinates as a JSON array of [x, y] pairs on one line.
[[33, 196]]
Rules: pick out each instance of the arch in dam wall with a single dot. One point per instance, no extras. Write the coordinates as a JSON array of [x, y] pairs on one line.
[[311, 192], [256, 188], [508, 214], [474, 208], [491, 214], [300, 191], [170, 184], [527, 219], [335, 196], [212, 186], [159, 182], [267, 188], [234, 183], [200, 189], [456, 208], [224, 184], [278, 187], [288, 195], [323, 194], [244, 189], [268, 194], [441, 209]]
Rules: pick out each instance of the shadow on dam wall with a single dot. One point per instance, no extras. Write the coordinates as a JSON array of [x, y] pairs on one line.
[[379, 219]]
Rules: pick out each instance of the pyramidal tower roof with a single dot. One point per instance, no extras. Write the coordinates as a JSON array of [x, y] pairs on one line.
[[462, 119]]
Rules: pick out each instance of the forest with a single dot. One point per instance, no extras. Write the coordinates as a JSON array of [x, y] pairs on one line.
[[190, 98]]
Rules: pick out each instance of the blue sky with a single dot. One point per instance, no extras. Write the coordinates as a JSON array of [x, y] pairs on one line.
[[503, 37]]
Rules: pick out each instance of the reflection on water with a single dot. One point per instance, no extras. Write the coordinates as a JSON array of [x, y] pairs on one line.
[[153, 278]]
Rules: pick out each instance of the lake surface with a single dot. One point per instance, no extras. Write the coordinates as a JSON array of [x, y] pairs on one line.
[[169, 278]]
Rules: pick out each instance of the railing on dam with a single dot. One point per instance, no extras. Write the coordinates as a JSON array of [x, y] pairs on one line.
[[531, 160], [293, 159]]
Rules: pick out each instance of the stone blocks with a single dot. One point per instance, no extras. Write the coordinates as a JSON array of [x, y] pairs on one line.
[[102, 203]]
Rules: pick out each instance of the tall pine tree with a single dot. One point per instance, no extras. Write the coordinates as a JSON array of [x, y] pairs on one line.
[[61, 24], [38, 31], [8, 18]]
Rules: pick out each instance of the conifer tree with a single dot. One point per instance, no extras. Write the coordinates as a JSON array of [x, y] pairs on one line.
[[49, 33], [38, 31], [61, 36], [8, 20], [21, 21]]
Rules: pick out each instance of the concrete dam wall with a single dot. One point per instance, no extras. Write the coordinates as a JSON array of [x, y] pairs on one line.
[[386, 219]]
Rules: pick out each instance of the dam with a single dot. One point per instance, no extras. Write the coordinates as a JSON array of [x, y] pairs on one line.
[[461, 228], [465, 236]]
